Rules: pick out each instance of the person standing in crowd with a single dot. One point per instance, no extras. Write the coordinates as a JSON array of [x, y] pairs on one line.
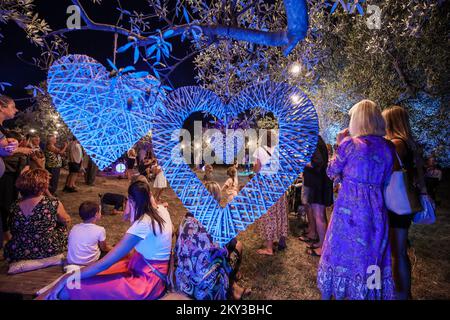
[[37, 156], [160, 182], [131, 161], [141, 277], [75, 159], [53, 161], [142, 153], [398, 131], [274, 224], [14, 166], [7, 146], [317, 194], [433, 177], [91, 172], [357, 241], [38, 223]]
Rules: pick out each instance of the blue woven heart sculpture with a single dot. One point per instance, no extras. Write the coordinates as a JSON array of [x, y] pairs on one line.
[[298, 131], [107, 115]]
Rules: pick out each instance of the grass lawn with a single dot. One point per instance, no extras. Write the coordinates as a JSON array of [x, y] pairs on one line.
[[290, 274]]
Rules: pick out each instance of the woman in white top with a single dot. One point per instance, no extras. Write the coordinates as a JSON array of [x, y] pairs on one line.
[[273, 225], [160, 182], [140, 277]]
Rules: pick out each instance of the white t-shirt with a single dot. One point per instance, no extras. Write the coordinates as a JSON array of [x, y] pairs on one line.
[[153, 247], [75, 152], [269, 162], [83, 243]]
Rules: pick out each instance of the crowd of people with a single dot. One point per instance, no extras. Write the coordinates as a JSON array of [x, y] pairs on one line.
[[360, 235]]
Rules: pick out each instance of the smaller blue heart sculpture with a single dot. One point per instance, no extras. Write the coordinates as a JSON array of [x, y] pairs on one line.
[[107, 115]]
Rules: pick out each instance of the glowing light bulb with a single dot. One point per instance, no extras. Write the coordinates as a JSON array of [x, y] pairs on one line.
[[32, 131], [296, 68], [295, 98]]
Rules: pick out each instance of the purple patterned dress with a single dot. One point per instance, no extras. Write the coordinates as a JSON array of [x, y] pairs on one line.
[[356, 256]]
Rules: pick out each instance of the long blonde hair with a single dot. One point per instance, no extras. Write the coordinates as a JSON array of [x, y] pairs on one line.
[[397, 125], [366, 119]]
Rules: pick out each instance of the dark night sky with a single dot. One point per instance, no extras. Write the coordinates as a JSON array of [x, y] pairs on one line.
[[98, 45]]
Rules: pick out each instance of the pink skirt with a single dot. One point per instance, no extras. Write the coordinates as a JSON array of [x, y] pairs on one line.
[[130, 279]]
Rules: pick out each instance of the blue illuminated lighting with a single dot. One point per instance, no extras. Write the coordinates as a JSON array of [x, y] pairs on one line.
[[107, 115], [120, 168], [298, 131]]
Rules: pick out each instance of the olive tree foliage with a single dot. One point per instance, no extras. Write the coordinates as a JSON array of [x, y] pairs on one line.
[[149, 34], [41, 117], [343, 59], [22, 13]]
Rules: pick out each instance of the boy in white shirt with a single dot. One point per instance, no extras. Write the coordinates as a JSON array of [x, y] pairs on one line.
[[87, 240]]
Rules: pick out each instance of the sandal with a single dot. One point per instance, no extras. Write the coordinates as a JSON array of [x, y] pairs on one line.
[[308, 239], [312, 253]]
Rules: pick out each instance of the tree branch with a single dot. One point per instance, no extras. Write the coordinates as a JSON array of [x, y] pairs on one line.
[[91, 25], [297, 18], [396, 64]]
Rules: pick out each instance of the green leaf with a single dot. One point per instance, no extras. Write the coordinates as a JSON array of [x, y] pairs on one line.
[[127, 69], [136, 54], [112, 65], [150, 50], [124, 47], [168, 33]]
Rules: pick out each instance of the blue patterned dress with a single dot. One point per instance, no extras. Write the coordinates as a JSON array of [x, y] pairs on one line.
[[202, 269], [356, 256]]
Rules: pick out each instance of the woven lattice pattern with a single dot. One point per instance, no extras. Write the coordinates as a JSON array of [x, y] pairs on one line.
[[298, 133], [226, 150], [107, 115]]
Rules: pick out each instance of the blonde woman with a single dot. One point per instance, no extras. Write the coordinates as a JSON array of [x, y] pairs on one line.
[[399, 132], [356, 255]]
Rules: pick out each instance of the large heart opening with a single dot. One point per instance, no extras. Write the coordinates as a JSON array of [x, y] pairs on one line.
[[297, 141], [224, 153]]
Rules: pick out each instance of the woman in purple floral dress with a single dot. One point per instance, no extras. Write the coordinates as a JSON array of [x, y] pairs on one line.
[[356, 256]]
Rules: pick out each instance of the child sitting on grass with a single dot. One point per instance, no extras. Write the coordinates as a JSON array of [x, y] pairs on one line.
[[208, 173], [231, 186], [87, 240]]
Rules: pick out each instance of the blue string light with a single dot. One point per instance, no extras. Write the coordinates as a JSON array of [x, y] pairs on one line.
[[107, 115]]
